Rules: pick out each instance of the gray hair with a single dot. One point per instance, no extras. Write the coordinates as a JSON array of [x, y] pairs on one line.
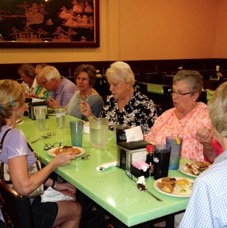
[[192, 77], [120, 70], [49, 72], [217, 106]]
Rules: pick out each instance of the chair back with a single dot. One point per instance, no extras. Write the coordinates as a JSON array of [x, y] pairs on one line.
[[203, 97], [167, 102], [16, 210]]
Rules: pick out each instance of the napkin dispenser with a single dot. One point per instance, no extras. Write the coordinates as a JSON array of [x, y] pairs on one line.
[[128, 153], [31, 106]]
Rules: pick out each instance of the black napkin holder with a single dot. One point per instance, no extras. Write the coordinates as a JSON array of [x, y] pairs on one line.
[[131, 152], [31, 106]]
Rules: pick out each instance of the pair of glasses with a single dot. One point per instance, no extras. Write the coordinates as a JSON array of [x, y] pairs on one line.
[[50, 146], [172, 92]]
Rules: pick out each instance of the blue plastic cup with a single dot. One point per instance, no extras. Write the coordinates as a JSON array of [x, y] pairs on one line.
[[76, 130]]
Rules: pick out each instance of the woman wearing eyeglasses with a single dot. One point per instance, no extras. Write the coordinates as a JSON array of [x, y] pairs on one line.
[[185, 118]]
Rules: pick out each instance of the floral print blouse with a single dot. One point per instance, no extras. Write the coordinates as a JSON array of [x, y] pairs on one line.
[[168, 125], [140, 111]]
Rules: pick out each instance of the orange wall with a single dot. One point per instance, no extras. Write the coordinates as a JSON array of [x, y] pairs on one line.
[[221, 30], [145, 30]]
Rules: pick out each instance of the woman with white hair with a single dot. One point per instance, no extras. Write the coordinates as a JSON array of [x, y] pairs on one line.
[[126, 105]]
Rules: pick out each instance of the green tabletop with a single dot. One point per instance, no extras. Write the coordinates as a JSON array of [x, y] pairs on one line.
[[110, 188], [157, 89]]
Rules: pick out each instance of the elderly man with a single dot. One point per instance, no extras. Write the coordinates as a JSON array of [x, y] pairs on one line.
[[62, 89]]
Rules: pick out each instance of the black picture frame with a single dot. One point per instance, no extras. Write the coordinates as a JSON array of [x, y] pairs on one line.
[[49, 23]]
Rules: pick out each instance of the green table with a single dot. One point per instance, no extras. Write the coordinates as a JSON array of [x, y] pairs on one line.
[[157, 89], [111, 189]]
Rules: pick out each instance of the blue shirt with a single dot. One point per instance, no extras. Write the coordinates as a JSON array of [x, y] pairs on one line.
[[64, 92], [207, 207]]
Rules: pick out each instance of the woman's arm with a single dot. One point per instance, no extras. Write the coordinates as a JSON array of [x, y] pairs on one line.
[[25, 184]]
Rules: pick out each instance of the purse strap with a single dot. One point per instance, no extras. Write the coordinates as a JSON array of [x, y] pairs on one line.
[[3, 137]]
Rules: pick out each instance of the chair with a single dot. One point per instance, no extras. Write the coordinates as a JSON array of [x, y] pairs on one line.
[[16, 209], [142, 87], [102, 87], [167, 103], [153, 77], [203, 97]]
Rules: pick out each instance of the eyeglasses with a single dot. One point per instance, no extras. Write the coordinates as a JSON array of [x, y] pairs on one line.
[[172, 92], [50, 146]]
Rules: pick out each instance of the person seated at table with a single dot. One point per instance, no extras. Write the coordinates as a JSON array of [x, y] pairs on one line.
[[17, 154], [211, 147], [61, 88], [126, 105], [208, 201], [41, 92], [85, 78], [27, 75], [185, 118]]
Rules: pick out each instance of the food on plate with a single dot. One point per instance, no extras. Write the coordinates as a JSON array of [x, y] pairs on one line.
[[67, 149], [196, 168], [169, 184]]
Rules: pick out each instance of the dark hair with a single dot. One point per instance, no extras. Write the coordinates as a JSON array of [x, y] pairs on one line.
[[89, 69], [27, 69]]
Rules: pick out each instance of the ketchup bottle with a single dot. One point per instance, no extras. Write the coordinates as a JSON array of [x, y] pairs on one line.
[[149, 159]]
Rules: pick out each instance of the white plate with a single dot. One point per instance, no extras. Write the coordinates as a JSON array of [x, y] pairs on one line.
[[177, 190], [183, 170], [51, 151]]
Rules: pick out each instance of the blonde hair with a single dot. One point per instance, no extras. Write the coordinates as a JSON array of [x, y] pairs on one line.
[[218, 109], [120, 70], [11, 97]]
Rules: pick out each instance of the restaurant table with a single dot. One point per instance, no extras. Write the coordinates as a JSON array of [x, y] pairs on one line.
[[158, 89], [112, 189]]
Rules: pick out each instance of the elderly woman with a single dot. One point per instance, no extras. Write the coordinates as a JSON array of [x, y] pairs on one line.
[[27, 75], [185, 118], [208, 202], [85, 78], [16, 153], [126, 105]]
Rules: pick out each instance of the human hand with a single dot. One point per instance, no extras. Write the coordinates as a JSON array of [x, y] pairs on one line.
[[85, 109], [52, 103], [204, 136], [63, 159], [66, 189]]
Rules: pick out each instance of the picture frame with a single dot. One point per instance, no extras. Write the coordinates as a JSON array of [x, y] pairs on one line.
[[49, 23]]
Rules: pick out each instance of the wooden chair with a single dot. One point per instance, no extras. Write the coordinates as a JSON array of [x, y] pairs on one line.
[[16, 209]]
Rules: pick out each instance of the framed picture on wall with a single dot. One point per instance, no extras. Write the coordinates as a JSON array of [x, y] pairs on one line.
[[49, 23]]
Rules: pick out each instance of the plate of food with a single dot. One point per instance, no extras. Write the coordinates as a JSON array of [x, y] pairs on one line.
[[66, 149], [174, 186], [193, 169]]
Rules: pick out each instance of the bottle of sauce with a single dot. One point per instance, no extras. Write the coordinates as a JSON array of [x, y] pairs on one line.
[[149, 159]]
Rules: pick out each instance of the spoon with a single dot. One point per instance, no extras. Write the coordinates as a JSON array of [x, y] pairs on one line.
[[143, 188]]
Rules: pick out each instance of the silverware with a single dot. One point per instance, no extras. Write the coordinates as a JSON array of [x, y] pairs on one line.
[[48, 135], [141, 186]]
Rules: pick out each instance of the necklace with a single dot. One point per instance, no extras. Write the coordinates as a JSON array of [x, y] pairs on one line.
[[86, 95]]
